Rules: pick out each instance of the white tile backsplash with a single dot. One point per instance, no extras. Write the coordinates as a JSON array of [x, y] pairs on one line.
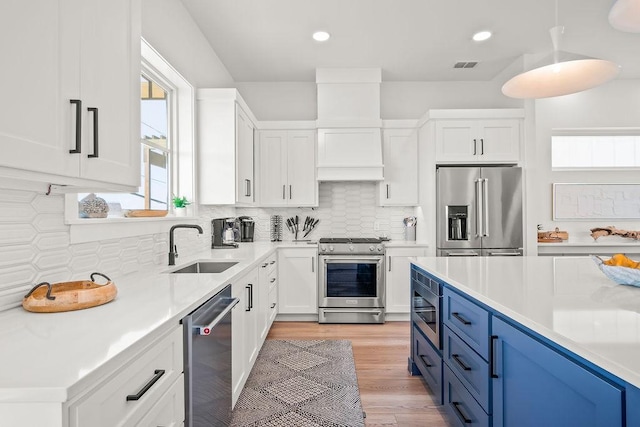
[[35, 241]]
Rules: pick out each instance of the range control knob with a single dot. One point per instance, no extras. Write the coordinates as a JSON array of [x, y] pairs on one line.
[[371, 248], [351, 248], [323, 248], [379, 248], [330, 248]]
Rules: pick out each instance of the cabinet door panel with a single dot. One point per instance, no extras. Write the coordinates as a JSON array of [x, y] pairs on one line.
[[454, 140], [499, 140], [400, 185], [536, 386], [297, 281], [301, 165], [273, 174], [32, 108], [398, 279], [244, 158], [110, 70]]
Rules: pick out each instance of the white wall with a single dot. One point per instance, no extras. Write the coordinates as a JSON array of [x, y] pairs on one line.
[[615, 104], [398, 100], [169, 28]]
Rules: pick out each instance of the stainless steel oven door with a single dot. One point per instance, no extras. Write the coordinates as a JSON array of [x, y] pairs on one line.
[[426, 309], [351, 281]]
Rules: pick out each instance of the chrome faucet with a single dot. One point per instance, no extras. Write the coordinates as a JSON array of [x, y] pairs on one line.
[[173, 249]]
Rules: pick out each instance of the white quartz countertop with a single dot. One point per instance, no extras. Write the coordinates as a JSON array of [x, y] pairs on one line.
[[565, 299], [50, 357]]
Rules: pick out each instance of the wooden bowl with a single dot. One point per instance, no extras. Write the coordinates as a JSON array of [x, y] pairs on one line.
[[69, 296]]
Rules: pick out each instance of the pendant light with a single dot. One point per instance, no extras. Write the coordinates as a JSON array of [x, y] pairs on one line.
[[625, 16], [560, 73]]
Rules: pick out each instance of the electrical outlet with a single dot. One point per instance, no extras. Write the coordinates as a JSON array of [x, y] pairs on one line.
[[376, 225]]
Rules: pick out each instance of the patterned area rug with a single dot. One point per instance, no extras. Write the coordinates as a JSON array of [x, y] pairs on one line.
[[302, 384]]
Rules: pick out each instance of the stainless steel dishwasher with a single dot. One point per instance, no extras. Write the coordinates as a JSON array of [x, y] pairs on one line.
[[207, 362]]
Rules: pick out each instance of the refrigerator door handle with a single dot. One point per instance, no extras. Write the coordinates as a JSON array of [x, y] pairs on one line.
[[485, 205], [478, 208]]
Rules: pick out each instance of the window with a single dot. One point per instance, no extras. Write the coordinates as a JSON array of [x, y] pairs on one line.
[[595, 149]]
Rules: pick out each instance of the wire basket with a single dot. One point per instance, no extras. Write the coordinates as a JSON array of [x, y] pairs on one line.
[[276, 228]]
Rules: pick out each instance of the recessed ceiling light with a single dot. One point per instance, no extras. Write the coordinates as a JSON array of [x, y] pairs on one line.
[[482, 36], [321, 36]]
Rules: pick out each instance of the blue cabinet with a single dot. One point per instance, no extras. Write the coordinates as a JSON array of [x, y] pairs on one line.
[[428, 362], [534, 385]]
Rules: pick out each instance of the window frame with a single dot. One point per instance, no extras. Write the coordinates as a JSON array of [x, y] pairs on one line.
[[591, 132]]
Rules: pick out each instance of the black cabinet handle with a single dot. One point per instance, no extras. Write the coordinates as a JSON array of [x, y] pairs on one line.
[[463, 417], [273, 280], [482, 146], [250, 288], [492, 356], [272, 262], [78, 104], [461, 319], [265, 264], [284, 196], [247, 187], [475, 150], [290, 191], [426, 361], [387, 191], [273, 305], [156, 376], [458, 360], [94, 110]]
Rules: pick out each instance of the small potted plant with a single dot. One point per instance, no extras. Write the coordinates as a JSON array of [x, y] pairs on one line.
[[180, 205]]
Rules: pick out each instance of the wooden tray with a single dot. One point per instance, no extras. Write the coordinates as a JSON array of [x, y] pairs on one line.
[[68, 296], [144, 213]]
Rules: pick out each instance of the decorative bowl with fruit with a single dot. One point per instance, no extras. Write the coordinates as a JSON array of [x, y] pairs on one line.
[[620, 268]]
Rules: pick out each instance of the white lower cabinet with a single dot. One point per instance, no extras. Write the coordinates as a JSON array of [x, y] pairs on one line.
[[398, 280], [244, 345], [267, 281], [297, 277], [135, 392]]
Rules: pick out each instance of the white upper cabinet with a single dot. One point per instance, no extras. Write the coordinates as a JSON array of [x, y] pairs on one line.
[[287, 168], [56, 52], [225, 148], [481, 141], [400, 153]]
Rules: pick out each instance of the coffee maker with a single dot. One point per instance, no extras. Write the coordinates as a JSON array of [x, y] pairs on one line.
[[247, 227], [225, 233]]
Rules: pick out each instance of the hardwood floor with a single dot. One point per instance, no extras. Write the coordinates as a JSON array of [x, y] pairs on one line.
[[390, 395]]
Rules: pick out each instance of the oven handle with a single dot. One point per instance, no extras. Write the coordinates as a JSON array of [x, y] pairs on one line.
[[346, 310], [339, 259]]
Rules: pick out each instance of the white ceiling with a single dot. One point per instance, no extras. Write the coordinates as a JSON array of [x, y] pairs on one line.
[[410, 40]]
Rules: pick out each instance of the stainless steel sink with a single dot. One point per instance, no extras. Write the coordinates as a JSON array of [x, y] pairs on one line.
[[207, 267]]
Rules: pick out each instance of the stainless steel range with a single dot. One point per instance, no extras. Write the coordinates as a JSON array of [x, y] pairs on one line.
[[351, 286]]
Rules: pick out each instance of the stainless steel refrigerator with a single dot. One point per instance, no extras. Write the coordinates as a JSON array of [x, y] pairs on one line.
[[479, 211]]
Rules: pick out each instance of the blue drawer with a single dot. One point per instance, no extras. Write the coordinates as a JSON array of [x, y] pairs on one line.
[[468, 366], [429, 363], [468, 320], [461, 407]]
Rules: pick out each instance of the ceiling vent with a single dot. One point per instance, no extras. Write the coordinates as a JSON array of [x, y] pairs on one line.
[[465, 64]]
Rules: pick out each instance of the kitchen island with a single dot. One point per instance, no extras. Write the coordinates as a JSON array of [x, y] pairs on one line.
[[572, 328]]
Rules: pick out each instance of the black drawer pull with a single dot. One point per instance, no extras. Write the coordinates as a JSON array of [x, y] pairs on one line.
[[94, 110], [461, 319], [78, 147], [273, 280], [273, 305], [157, 374], [492, 356], [426, 361], [459, 413], [459, 361]]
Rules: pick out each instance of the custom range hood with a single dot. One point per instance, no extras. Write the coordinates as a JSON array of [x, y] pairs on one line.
[[349, 139]]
